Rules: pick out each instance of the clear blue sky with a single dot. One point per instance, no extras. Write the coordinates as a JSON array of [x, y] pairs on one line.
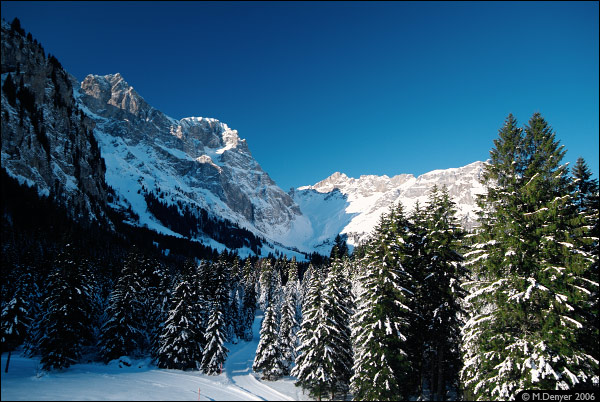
[[359, 87]]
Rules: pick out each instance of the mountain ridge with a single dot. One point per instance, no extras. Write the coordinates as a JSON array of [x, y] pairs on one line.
[[98, 144], [364, 199]]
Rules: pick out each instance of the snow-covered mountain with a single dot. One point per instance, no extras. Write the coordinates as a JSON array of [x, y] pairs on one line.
[[192, 162], [342, 204], [98, 145]]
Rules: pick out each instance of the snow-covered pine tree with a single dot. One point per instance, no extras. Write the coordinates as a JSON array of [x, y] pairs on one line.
[[337, 312], [237, 316], [265, 283], [120, 334], [180, 342], [529, 296], [380, 323], [310, 369], [288, 339], [442, 296], [215, 353], [65, 324], [152, 296], [157, 288], [248, 273], [293, 285], [416, 263], [222, 297], [248, 311], [14, 322], [269, 358]]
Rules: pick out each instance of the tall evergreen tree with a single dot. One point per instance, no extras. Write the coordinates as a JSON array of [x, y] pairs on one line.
[[66, 316], [121, 333], [338, 309], [294, 286], [215, 353], [14, 323], [310, 369], [380, 324], [340, 248], [248, 311], [287, 339], [528, 297], [587, 203], [269, 357], [441, 307], [417, 264], [181, 343]]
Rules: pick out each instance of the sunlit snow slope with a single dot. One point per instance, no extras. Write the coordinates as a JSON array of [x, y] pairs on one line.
[[342, 204]]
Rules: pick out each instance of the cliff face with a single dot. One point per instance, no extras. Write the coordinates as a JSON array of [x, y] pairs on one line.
[[47, 141], [191, 162]]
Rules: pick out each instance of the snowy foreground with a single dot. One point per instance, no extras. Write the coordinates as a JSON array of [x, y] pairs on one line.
[[144, 381]]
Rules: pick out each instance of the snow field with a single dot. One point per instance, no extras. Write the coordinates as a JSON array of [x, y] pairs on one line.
[[143, 381]]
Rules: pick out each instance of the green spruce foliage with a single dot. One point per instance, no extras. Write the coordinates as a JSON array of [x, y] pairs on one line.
[[529, 292], [310, 369], [380, 324]]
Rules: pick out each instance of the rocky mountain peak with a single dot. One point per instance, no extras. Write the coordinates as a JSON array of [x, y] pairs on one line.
[[112, 89], [337, 180]]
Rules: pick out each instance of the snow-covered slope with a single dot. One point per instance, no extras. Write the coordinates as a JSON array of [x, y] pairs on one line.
[[143, 381], [342, 204], [192, 162]]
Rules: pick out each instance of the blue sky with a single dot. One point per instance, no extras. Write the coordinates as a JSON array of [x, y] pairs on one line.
[[358, 87]]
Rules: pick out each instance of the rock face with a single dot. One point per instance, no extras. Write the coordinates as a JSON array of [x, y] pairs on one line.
[[46, 141], [190, 162], [355, 205]]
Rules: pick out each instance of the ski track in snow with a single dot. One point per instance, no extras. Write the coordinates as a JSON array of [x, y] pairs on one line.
[[143, 381]]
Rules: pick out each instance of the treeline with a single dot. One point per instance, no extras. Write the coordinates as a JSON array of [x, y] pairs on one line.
[[197, 222], [74, 291]]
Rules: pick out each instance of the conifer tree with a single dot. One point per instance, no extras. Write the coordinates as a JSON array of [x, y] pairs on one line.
[[66, 316], [340, 248], [14, 323], [237, 316], [417, 264], [248, 311], [380, 323], [294, 286], [310, 369], [288, 339], [215, 353], [442, 295], [529, 296], [121, 333], [586, 202], [152, 297], [222, 286], [266, 282], [269, 357], [180, 342], [337, 311]]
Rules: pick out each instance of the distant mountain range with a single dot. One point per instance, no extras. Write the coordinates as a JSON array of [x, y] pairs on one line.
[[98, 146]]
